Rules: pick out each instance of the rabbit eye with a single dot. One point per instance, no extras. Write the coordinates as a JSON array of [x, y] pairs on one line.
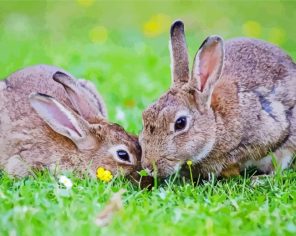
[[123, 155], [180, 123]]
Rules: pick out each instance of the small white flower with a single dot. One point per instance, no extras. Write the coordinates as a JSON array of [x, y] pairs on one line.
[[66, 182], [119, 114]]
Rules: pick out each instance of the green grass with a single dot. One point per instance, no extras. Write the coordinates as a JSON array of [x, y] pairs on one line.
[[131, 69], [39, 206]]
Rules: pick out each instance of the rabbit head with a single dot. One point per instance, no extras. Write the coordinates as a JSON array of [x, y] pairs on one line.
[[98, 142], [180, 125]]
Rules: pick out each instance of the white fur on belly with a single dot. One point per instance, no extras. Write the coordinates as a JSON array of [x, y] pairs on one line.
[[283, 157]]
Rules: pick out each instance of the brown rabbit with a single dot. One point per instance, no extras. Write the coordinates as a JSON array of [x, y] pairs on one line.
[[236, 107], [50, 119]]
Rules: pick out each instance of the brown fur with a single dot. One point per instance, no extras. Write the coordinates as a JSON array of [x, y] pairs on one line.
[[27, 142], [251, 110]]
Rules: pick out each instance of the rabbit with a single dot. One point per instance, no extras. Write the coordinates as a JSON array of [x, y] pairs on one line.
[[51, 120], [235, 107]]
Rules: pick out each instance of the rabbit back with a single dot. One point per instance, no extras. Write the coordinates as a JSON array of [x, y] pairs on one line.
[[254, 104], [257, 65]]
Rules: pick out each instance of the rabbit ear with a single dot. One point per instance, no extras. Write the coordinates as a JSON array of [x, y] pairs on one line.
[[179, 55], [207, 66], [86, 104], [90, 90], [63, 121]]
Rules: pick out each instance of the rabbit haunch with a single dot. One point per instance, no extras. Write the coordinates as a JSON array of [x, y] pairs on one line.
[[50, 119], [238, 103]]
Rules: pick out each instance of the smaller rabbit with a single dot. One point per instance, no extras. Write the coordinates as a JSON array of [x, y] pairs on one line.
[[51, 120], [234, 108]]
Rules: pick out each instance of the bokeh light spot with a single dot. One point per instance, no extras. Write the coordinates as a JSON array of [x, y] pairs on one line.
[[85, 3], [252, 29], [156, 25], [98, 34], [277, 35], [130, 103]]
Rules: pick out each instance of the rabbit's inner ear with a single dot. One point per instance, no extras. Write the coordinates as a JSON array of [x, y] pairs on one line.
[[208, 62], [179, 55], [84, 101], [207, 65], [61, 120]]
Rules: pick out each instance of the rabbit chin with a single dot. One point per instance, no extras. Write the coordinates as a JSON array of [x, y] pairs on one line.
[[204, 152]]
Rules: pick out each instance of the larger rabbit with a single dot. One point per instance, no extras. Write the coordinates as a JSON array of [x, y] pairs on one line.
[[236, 106], [51, 120]]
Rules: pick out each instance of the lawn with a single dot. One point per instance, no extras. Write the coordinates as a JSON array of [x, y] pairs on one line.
[[123, 49]]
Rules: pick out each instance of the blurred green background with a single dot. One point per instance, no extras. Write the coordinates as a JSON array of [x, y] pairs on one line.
[[123, 45]]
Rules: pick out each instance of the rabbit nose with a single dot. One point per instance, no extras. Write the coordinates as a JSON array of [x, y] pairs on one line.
[[146, 165], [149, 172]]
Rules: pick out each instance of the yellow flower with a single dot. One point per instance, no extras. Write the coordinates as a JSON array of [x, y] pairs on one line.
[[189, 163], [104, 175]]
